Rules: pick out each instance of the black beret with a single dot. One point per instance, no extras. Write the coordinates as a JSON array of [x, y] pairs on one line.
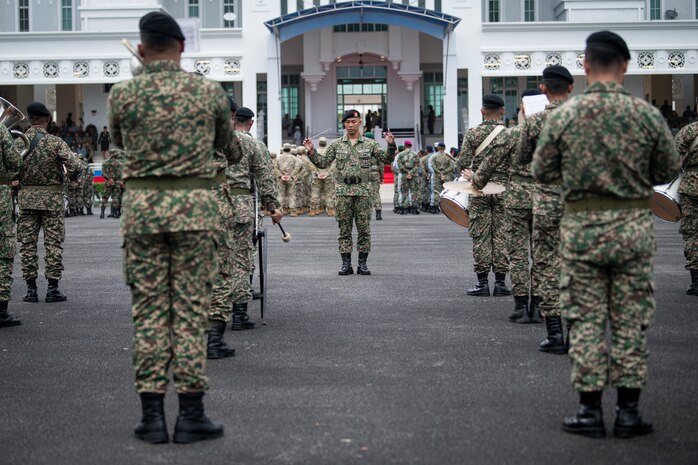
[[610, 40], [162, 24], [38, 110], [430, 147], [244, 112], [557, 73], [350, 114], [529, 92], [441, 144], [492, 101]]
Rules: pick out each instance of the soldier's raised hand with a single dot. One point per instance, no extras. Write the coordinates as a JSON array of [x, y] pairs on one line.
[[389, 137], [308, 144]]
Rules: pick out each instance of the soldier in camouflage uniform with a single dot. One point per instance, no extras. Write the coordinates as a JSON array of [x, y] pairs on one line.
[[687, 146], [322, 185], [432, 198], [489, 225], [112, 170], [418, 182], [287, 173], [75, 187], [408, 164], [306, 177], [607, 149], [41, 204], [377, 173], [355, 155], [10, 165], [169, 123], [547, 214], [88, 190], [442, 165], [236, 227]]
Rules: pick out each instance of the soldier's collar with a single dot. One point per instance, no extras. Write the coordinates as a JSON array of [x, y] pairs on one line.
[[608, 86], [492, 121], [162, 65]]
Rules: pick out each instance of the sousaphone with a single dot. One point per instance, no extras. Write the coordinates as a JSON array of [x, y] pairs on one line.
[[10, 116]]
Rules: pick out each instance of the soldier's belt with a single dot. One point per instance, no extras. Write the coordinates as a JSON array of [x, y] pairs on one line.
[[169, 183], [604, 203], [350, 180], [220, 178], [50, 188], [523, 179], [239, 191]]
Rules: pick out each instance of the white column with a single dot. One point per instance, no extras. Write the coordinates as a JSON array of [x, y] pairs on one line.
[[417, 91], [274, 138], [451, 112], [308, 130], [474, 96], [249, 98]]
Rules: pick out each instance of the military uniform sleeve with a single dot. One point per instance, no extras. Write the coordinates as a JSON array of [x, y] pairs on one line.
[[323, 160], [683, 141], [10, 153], [466, 154], [526, 146], [113, 116], [385, 156], [72, 163], [264, 175], [547, 158], [226, 139], [666, 161]]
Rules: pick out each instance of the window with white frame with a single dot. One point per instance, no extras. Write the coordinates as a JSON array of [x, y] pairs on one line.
[[231, 6], [67, 15], [529, 10], [23, 15], [193, 8], [655, 9], [493, 11]]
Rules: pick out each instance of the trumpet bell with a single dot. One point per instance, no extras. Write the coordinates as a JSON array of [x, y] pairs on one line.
[[10, 115]]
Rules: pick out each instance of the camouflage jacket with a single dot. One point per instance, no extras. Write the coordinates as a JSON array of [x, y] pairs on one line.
[[112, 169], [44, 167], [254, 162], [329, 170], [689, 159], [170, 124], [471, 141], [443, 165], [353, 163], [547, 198], [496, 163], [408, 162], [10, 165], [605, 142], [288, 165]]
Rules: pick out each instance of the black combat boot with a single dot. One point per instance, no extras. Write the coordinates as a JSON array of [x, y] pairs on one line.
[[400, 211], [693, 289], [117, 213], [394, 209], [589, 418], [6, 318], [152, 427], [81, 211], [89, 211], [241, 320], [216, 346], [192, 424], [415, 210], [482, 288], [555, 342], [362, 268], [346, 265], [500, 287], [53, 294], [379, 215], [112, 210], [520, 307], [629, 423], [101, 215], [32, 293], [533, 315]]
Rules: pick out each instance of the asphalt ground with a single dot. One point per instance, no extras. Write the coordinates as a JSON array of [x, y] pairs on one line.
[[400, 367]]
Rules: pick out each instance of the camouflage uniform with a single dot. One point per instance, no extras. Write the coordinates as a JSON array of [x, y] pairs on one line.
[[10, 165], [353, 186], [489, 225], [88, 189], [41, 203], [547, 214], [377, 173], [396, 184], [236, 225], [689, 197], [607, 149], [112, 170], [442, 165], [169, 123], [75, 188], [408, 164], [431, 199], [303, 183], [322, 190], [288, 165]]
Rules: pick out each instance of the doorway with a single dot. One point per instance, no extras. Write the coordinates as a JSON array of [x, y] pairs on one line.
[[362, 88]]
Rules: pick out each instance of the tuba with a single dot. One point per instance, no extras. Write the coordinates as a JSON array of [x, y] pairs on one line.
[[10, 116]]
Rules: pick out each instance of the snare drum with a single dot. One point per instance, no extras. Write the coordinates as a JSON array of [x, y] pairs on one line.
[[455, 206], [665, 203]]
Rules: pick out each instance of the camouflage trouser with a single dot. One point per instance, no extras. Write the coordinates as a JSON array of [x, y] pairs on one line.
[[376, 191], [407, 191], [322, 193], [28, 227], [689, 230], [8, 243], [114, 193], [75, 196], [418, 190], [489, 226], [302, 195], [352, 209], [287, 195], [606, 276], [88, 193], [523, 277], [221, 300], [546, 260], [170, 278], [396, 191], [438, 186]]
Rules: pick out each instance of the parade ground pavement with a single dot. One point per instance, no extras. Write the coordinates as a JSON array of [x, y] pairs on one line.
[[400, 367]]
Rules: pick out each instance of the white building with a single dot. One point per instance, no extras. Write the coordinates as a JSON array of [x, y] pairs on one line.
[[316, 57]]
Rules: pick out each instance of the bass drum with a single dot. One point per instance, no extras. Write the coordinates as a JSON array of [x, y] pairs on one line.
[[665, 202], [455, 206]]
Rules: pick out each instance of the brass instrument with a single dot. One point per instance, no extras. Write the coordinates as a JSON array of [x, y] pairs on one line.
[[137, 63], [10, 116]]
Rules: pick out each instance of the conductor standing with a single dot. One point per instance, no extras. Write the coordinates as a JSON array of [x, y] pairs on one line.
[[354, 155]]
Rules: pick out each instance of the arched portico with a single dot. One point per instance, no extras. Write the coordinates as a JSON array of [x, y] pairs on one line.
[[400, 53]]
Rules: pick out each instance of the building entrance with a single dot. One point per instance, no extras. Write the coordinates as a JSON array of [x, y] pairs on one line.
[[363, 89]]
